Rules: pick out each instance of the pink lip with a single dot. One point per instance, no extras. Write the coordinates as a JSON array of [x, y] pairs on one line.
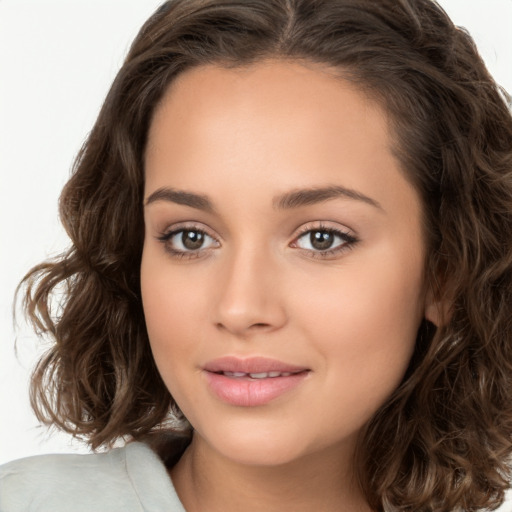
[[251, 365], [245, 391]]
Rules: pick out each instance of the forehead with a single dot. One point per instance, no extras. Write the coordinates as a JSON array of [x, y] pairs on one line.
[[274, 81], [273, 76], [272, 103]]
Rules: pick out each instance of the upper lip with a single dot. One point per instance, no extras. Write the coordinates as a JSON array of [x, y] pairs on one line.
[[251, 365]]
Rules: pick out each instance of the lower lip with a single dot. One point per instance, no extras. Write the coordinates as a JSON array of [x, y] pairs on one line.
[[247, 392]]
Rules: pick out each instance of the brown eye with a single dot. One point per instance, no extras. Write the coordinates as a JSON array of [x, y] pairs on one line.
[[324, 241], [192, 240], [321, 240], [187, 241]]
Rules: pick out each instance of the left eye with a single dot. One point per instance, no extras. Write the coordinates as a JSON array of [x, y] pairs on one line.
[[187, 240], [323, 240]]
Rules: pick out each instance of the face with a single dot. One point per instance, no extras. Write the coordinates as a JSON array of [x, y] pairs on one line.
[[282, 271]]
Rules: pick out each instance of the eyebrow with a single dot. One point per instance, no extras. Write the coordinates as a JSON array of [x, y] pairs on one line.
[[288, 200], [197, 201], [309, 196]]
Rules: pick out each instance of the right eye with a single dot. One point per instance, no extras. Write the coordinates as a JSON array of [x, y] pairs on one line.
[[187, 243]]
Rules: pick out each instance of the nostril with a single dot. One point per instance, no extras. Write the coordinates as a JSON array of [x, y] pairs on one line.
[[260, 325]]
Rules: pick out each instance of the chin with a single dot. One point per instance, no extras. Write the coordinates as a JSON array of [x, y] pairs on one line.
[[260, 452], [263, 443]]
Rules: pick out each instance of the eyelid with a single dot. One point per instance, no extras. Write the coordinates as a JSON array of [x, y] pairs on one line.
[[187, 225], [322, 225], [346, 234], [166, 235]]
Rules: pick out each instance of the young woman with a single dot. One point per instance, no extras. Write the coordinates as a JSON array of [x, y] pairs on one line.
[[290, 280]]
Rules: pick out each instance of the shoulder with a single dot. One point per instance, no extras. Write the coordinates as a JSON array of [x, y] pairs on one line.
[[132, 478]]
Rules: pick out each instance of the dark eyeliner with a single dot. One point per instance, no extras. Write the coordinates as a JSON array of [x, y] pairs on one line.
[[165, 237], [349, 241]]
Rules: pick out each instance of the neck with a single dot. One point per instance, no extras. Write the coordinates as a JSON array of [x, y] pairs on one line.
[[207, 481]]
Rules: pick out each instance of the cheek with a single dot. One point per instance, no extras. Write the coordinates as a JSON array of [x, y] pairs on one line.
[[364, 305], [171, 311], [364, 322], [162, 308]]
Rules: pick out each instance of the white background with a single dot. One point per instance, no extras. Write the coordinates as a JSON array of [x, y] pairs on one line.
[[57, 60]]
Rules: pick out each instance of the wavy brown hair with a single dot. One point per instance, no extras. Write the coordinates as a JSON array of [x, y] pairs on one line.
[[443, 440]]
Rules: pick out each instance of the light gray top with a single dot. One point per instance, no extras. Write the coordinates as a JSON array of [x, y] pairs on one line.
[[128, 479]]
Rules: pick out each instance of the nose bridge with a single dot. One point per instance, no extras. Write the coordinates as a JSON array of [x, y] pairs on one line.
[[249, 297]]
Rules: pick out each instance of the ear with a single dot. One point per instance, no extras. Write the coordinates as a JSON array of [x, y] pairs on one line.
[[437, 307]]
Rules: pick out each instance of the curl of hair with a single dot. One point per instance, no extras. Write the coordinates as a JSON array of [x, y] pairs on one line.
[[443, 439]]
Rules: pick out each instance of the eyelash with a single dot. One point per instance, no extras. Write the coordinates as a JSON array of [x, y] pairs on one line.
[[348, 239], [166, 237]]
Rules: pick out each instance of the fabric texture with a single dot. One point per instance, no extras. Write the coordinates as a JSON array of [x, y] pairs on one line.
[[128, 479]]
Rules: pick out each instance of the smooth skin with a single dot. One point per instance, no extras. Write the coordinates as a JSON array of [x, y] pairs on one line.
[[238, 262]]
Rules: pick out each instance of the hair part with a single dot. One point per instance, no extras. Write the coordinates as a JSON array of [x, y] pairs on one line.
[[443, 440]]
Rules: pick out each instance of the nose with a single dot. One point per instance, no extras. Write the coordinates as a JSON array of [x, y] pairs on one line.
[[250, 298]]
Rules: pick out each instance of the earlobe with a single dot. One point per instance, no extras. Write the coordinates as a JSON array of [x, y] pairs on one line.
[[433, 313], [437, 308]]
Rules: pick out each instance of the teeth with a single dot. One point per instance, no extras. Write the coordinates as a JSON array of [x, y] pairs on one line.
[[235, 374], [260, 375]]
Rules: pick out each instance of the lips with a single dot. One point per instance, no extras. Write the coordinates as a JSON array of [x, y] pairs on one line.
[[252, 382], [251, 365]]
